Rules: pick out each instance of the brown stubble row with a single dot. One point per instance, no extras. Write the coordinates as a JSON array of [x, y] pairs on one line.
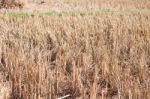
[[86, 57]]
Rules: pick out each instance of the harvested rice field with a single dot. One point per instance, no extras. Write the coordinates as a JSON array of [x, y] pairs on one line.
[[71, 49]]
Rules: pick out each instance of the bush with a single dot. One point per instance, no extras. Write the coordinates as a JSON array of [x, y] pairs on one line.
[[14, 3]]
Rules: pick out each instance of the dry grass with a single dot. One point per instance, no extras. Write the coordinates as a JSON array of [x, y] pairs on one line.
[[72, 5], [78, 57], [108, 4]]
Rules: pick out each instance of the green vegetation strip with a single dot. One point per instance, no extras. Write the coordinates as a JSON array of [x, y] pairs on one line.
[[96, 12]]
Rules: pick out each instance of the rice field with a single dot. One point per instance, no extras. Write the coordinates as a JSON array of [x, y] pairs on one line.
[[76, 54]]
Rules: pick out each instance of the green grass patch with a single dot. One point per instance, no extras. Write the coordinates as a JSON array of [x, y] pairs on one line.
[[92, 12]]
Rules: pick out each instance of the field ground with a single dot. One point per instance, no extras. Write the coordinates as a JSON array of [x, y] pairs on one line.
[[82, 5], [77, 49]]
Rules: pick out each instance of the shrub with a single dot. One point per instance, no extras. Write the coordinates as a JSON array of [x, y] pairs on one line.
[[14, 3]]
